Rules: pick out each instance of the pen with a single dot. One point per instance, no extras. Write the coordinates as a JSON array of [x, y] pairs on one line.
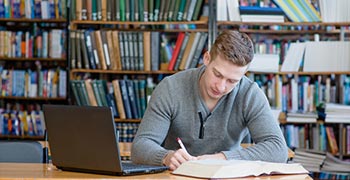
[[181, 144]]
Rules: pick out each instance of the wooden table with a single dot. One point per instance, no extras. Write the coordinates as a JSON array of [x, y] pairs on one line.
[[31, 171]]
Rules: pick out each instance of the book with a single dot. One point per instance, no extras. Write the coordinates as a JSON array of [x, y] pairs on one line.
[[311, 159], [178, 45], [333, 164], [332, 140], [118, 99], [211, 168], [147, 51]]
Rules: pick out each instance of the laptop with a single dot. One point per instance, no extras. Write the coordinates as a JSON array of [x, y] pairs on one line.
[[84, 139]]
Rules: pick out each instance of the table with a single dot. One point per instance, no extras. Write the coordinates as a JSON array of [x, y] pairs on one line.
[[31, 171]]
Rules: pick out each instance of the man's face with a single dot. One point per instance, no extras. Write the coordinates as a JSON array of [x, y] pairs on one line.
[[220, 77]]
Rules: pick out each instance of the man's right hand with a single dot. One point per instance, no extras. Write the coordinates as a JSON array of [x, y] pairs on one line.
[[175, 158]]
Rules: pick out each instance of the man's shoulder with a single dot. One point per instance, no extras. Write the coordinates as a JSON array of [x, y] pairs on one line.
[[185, 75], [247, 83]]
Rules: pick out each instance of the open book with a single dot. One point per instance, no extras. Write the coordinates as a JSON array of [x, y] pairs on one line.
[[235, 168]]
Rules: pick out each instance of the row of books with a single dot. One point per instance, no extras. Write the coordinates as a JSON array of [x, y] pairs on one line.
[[275, 11], [303, 93], [118, 50], [126, 131], [115, 50], [337, 113], [309, 136], [50, 83], [33, 9], [335, 11], [299, 11], [127, 98], [137, 10], [188, 49], [40, 44], [22, 123], [322, 165], [315, 57]]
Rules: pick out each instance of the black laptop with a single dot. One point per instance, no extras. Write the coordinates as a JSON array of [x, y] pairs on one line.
[[84, 139]]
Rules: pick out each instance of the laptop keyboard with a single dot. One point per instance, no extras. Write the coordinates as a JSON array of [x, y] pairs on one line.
[[131, 166]]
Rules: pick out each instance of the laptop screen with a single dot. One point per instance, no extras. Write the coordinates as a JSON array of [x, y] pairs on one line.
[[82, 137]]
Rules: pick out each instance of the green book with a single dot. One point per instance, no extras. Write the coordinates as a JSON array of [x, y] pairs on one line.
[[75, 92], [181, 10], [141, 6], [161, 11], [197, 10], [102, 90], [96, 92], [150, 10], [171, 10], [185, 12], [84, 93], [156, 10], [94, 9], [132, 10], [176, 10], [143, 100], [122, 10]]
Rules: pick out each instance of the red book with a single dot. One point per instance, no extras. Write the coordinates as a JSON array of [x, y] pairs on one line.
[[178, 44]]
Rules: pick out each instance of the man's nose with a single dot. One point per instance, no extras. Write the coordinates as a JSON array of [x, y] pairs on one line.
[[221, 85]]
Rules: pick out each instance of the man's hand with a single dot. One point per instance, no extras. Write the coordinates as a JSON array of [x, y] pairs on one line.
[[175, 158], [212, 156]]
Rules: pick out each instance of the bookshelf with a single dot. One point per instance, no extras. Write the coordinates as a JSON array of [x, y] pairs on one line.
[[289, 91], [133, 56], [33, 65]]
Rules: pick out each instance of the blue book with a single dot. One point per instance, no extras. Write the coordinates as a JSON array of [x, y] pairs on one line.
[[132, 98], [125, 97], [260, 10]]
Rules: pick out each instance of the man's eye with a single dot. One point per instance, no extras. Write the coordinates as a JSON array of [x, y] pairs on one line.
[[232, 82]]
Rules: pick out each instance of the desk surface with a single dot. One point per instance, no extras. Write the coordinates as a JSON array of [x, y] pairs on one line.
[[48, 171]]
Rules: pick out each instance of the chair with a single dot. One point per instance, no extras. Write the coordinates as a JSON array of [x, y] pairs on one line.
[[21, 151]]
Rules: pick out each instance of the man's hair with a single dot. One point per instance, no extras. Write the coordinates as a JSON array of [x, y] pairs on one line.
[[233, 46]]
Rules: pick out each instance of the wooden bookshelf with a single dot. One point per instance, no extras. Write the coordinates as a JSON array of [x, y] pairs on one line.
[[26, 20], [118, 120], [303, 73], [89, 22], [120, 72], [337, 24], [21, 137], [34, 98], [32, 59]]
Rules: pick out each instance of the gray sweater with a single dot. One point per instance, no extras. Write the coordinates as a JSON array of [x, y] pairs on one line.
[[173, 112]]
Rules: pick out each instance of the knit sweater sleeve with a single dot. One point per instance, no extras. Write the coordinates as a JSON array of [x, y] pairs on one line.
[[146, 148], [265, 132]]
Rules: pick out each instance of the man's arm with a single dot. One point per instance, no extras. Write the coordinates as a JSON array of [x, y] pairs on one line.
[[269, 141], [153, 129]]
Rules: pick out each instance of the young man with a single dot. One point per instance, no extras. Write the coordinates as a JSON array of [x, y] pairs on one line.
[[211, 108]]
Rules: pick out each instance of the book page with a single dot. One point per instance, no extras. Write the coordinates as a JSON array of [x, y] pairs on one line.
[[235, 168]]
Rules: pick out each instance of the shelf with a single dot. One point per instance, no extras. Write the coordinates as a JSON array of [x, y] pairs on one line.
[[117, 120], [120, 72], [33, 20], [303, 73], [21, 137], [31, 59], [76, 22], [287, 31], [235, 23], [33, 98]]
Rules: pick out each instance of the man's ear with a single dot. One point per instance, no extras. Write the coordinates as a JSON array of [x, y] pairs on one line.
[[206, 58]]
